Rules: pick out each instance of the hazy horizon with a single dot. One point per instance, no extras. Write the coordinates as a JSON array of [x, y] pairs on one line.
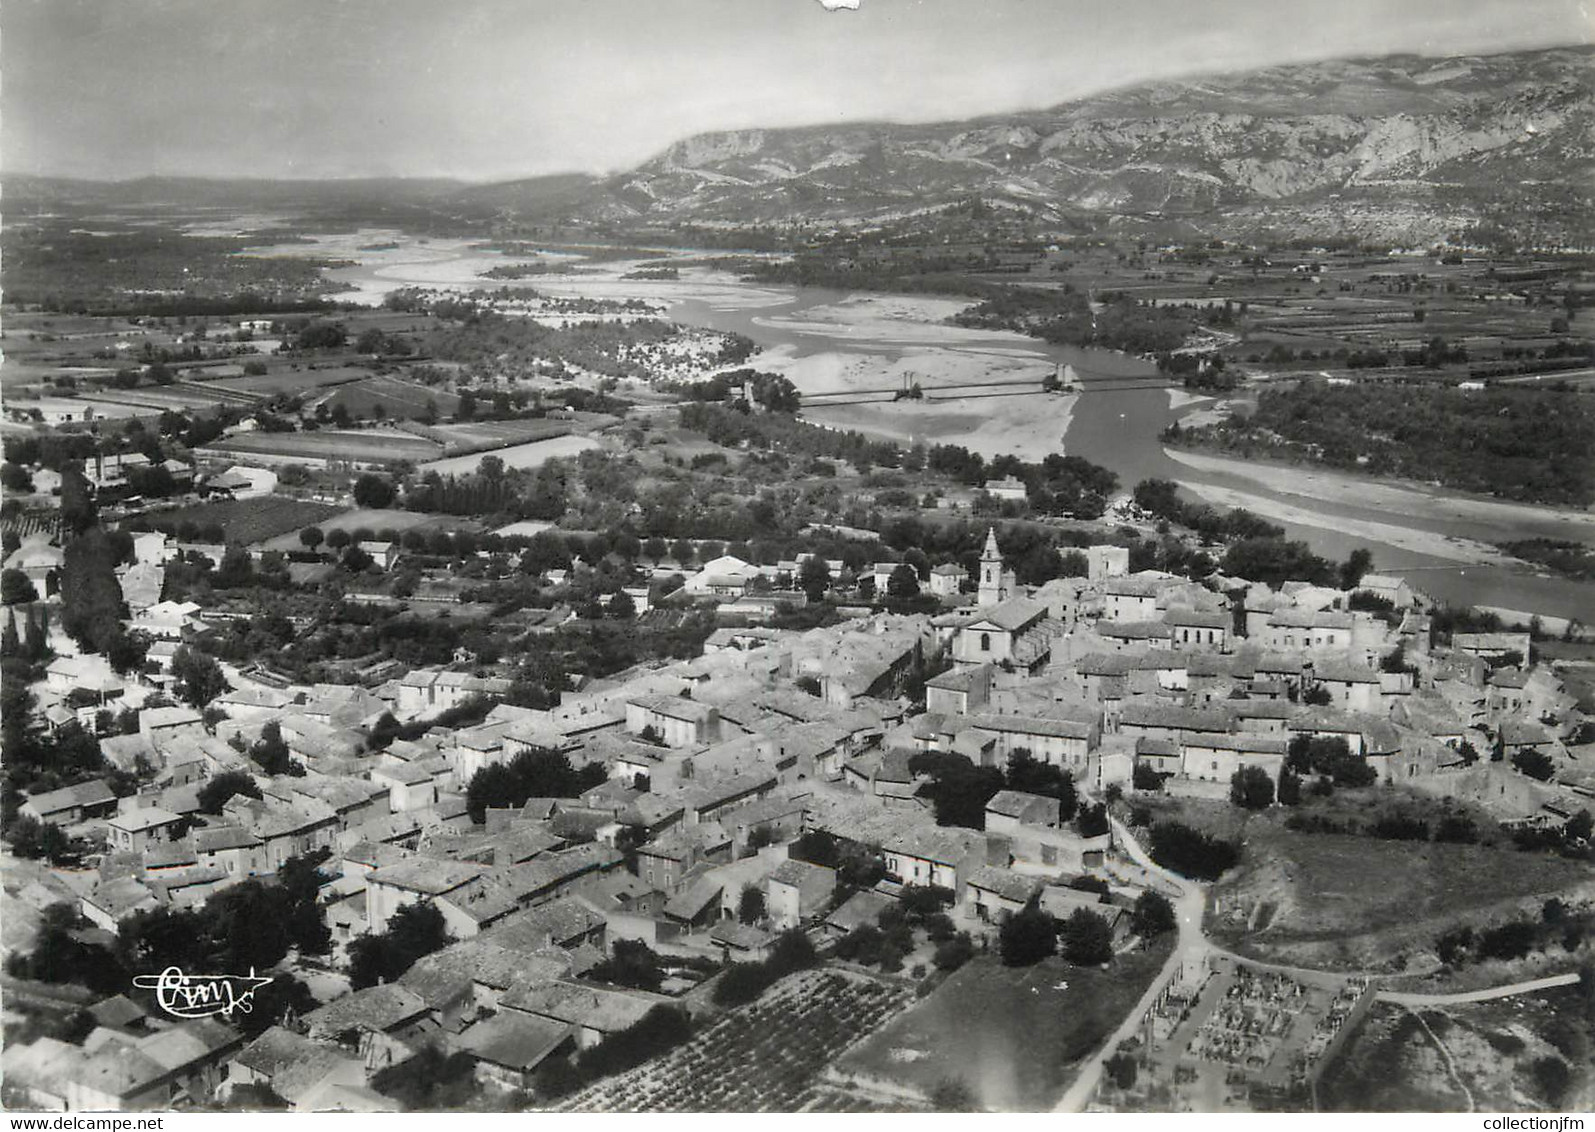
[[491, 90]]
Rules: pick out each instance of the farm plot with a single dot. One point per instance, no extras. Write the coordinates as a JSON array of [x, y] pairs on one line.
[[365, 448], [291, 380], [249, 521], [481, 436], [532, 454], [387, 395], [765, 1057]]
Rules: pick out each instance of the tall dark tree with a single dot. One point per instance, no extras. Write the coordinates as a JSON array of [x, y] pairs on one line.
[[91, 597], [1087, 939], [1153, 915], [271, 751], [78, 510], [1028, 936], [1358, 563], [1251, 788], [413, 931], [373, 491], [216, 793], [536, 773], [196, 677], [16, 588], [903, 583]]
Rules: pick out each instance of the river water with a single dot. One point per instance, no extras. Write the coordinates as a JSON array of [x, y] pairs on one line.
[[1118, 427], [1112, 425]]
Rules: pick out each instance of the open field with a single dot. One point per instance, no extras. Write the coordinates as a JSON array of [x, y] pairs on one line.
[[482, 436], [763, 1057], [1394, 1062], [363, 447], [530, 455], [291, 379], [1362, 903], [251, 521], [388, 395], [1013, 1035]]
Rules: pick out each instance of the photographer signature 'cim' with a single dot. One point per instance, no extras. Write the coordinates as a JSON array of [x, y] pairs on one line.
[[201, 996]]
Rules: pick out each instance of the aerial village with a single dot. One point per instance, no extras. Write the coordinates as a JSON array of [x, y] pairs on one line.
[[761, 806]]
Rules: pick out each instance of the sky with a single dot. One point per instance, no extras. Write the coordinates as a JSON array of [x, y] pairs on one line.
[[499, 89]]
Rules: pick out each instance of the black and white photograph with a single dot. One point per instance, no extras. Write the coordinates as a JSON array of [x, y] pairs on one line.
[[797, 556]]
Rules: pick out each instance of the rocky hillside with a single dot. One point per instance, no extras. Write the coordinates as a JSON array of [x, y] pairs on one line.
[[1396, 148]]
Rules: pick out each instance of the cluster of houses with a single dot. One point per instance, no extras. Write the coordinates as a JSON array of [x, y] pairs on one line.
[[713, 768]]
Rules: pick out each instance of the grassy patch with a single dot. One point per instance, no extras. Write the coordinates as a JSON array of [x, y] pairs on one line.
[[1009, 1033], [1355, 901], [394, 397], [248, 521], [480, 436], [1389, 1064], [326, 444]]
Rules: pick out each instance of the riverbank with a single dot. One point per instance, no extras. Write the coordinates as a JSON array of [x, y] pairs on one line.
[[1031, 425], [864, 344], [1428, 543], [1409, 500]]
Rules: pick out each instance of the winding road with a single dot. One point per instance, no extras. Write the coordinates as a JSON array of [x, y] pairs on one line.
[[1404, 998], [1190, 903]]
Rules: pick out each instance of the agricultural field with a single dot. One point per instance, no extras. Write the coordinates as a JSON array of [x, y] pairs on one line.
[[481, 436], [366, 447], [532, 454], [291, 379], [34, 522], [249, 521], [767, 1056], [1362, 903], [388, 395], [1012, 1035], [1483, 1056]]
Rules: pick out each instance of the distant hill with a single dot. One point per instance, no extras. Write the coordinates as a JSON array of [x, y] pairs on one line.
[[1395, 148], [236, 192]]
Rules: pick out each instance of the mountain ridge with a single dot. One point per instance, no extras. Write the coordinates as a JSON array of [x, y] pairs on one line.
[[1403, 148], [1370, 144]]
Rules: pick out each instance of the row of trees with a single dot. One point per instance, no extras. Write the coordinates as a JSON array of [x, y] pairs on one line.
[[958, 790], [1514, 442], [537, 773], [1086, 937]]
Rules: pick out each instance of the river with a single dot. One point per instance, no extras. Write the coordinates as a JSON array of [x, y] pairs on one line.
[[1110, 424], [1119, 428]]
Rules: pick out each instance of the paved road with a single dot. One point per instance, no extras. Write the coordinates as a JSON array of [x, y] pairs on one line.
[[1189, 905], [1403, 998]]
